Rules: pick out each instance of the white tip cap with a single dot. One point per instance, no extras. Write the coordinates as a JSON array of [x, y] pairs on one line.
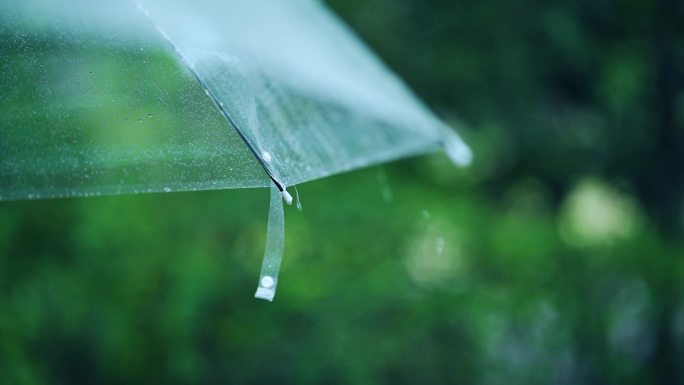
[[286, 197], [456, 149]]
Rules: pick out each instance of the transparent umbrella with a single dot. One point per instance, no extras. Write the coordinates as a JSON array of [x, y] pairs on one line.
[[115, 97]]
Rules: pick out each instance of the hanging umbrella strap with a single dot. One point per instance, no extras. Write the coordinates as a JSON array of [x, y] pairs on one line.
[[275, 245]]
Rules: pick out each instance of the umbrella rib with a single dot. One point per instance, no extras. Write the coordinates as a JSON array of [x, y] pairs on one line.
[[214, 99], [232, 122]]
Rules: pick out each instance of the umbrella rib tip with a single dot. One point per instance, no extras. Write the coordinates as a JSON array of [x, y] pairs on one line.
[[286, 196]]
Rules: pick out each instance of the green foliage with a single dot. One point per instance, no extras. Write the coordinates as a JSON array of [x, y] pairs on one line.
[[438, 284]]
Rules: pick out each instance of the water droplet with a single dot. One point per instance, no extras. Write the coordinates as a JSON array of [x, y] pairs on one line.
[[149, 115], [385, 189], [439, 246], [299, 202], [139, 120], [266, 156], [167, 189]]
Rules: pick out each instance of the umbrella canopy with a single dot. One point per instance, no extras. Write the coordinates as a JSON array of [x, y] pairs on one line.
[[115, 97]]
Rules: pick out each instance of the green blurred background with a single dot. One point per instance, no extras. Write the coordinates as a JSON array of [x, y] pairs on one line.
[[557, 258]]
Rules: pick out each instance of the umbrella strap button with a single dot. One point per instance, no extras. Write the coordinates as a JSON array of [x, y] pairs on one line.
[[267, 282]]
